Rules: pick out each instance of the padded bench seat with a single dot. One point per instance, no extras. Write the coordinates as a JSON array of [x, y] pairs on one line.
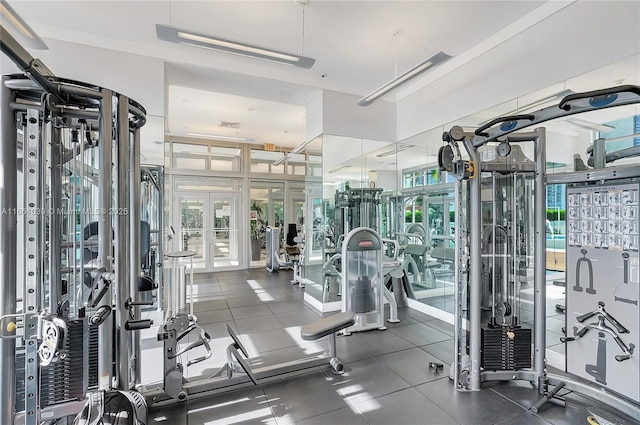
[[327, 326]]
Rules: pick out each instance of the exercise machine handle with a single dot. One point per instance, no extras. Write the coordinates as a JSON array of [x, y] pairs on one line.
[[481, 131], [567, 339], [582, 332], [564, 103], [622, 357], [586, 316], [134, 325], [100, 315]]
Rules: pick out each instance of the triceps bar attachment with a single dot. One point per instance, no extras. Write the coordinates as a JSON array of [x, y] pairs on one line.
[[583, 317], [601, 326]]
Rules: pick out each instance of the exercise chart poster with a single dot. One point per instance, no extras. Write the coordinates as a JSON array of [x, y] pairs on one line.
[[603, 217]]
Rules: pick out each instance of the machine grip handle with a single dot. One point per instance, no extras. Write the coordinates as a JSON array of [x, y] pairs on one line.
[[603, 92], [481, 131], [622, 357], [567, 339], [100, 315], [585, 316], [617, 324], [134, 325], [582, 331], [100, 294]]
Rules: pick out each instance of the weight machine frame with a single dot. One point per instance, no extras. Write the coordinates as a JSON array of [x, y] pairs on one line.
[[468, 263], [49, 109]]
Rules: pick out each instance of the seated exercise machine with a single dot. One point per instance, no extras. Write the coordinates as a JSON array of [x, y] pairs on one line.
[[363, 289], [238, 369], [290, 259]]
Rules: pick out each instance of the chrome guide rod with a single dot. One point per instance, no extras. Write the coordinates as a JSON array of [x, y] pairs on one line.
[[475, 281], [8, 233], [134, 246], [458, 294], [105, 247], [122, 242], [539, 284], [55, 220], [493, 247]]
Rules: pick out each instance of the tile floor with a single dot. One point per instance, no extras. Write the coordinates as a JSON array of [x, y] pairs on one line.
[[387, 379]]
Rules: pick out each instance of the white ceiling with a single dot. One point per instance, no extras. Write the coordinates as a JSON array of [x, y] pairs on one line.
[[354, 48]]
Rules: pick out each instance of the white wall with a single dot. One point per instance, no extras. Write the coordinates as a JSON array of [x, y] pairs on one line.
[[139, 77], [314, 118], [343, 117], [606, 35]]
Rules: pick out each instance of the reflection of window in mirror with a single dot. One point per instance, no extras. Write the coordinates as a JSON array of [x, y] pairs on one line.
[[486, 213]]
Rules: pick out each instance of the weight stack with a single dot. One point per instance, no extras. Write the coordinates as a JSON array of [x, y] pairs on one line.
[[64, 380], [506, 348]]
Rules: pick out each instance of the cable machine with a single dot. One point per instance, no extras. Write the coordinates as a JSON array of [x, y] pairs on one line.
[[70, 241], [588, 359]]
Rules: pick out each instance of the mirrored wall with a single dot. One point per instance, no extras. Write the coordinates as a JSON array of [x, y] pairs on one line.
[[397, 189]]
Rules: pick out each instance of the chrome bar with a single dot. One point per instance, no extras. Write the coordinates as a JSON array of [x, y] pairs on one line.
[[539, 273], [8, 239], [105, 248], [134, 246], [122, 242]]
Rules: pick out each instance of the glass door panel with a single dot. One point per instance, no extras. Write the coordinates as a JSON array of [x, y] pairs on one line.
[[224, 232], [191, 232], [208, 225]]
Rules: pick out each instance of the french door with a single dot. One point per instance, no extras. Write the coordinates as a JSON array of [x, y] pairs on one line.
[[207, 223]]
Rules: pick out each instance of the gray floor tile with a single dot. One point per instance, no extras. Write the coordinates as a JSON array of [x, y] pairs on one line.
[[442, 326], [244, 301], [239, 293], [349, 350], [250, 311], [526, 417], [420, 334], [344, 416], [442, 350], [297, 318], [403, 407], [209, 305], [377, 342], [214, 316], [369, 374], [413, 365], [247, 406], [286, 307], [480, 407], [303, 397], [257, 324], [575, 412]]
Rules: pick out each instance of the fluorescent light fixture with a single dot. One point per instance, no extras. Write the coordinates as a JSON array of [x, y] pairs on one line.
[[400, 148], [181, 36], [301, 146], [589, 125], [13, 23], [339, 168], [280, 160], [394, 84], [214, 136]]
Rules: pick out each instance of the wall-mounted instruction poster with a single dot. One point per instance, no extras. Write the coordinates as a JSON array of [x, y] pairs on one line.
[[603, 280]]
